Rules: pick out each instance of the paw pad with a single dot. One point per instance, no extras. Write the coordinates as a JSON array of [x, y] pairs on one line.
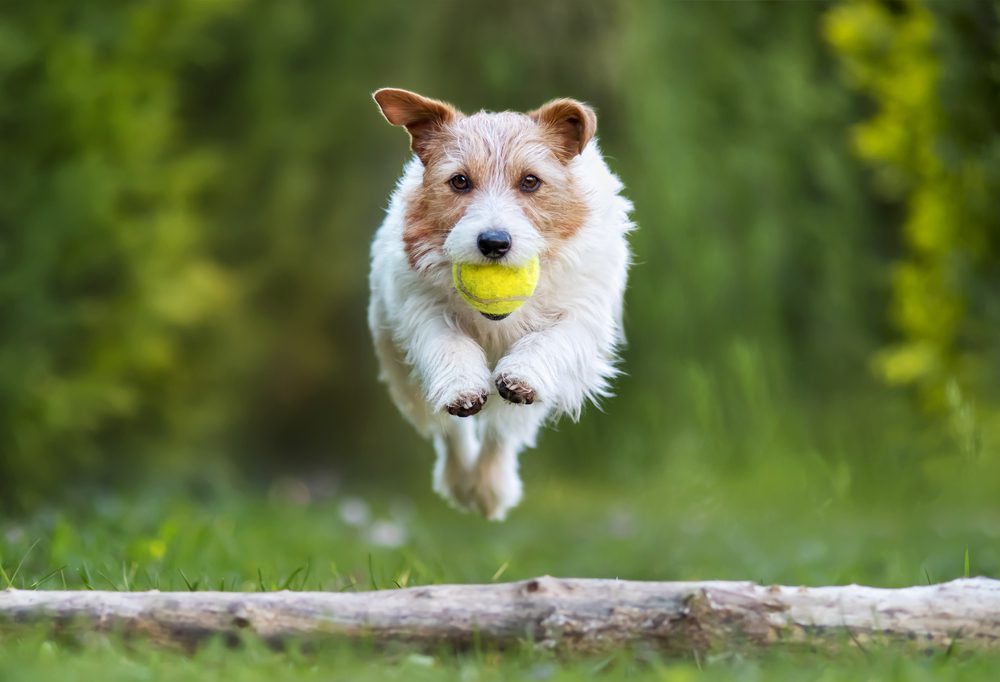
[[515, 390], [467, 404]]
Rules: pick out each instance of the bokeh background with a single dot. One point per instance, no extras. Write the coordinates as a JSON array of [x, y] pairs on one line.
[[189, 190]]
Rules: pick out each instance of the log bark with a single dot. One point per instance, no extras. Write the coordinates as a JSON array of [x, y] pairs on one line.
[[565, 614]]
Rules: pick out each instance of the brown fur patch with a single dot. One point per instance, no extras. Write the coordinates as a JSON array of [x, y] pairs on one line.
[[421, 235], [568, 124], [422, 117], [559, 213]]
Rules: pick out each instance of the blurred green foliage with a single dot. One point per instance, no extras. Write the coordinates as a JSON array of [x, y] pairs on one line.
[[106, 279], [191, 187], [933, 72]]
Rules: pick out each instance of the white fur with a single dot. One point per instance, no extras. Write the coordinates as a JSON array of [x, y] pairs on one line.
[[432, 347], [496, 209]]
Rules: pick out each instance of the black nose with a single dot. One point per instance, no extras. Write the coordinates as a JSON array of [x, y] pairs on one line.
[[494, 243]]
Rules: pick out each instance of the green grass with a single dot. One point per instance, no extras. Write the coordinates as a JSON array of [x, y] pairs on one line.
[[787, 520], [35, 658]]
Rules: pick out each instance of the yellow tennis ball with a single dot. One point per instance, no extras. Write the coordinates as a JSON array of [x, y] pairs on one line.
[[493, 289]]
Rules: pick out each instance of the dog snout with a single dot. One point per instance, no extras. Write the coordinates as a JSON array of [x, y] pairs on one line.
[[494, 243]]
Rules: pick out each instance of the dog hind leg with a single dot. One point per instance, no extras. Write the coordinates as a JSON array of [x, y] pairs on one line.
[[495, 482], [456, 445], [506, 430]]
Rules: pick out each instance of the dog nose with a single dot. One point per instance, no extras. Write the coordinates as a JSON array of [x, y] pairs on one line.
[[494, 243]]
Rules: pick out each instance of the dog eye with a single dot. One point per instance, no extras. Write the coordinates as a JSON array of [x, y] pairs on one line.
[[460, 183], [529, 183]]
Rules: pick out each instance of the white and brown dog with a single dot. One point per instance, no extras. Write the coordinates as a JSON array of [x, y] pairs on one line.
[[497, 187]]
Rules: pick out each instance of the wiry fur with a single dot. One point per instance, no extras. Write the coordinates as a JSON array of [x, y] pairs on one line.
[[434, 350]]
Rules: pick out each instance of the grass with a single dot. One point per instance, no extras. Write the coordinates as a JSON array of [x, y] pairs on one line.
[[36, 658], [784, 522]]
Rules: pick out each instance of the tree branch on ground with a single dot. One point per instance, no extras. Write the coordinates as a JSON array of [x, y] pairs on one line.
[[564, 614]]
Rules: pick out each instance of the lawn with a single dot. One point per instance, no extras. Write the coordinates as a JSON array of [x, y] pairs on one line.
[[787, 521]]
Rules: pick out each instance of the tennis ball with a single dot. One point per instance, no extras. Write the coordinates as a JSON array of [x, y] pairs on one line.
[[495, 290]]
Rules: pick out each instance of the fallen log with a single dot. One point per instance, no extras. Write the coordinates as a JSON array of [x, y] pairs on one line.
[[565, 614]]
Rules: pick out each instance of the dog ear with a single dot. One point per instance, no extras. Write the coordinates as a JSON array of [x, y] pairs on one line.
[[421, 116], [570, 123]]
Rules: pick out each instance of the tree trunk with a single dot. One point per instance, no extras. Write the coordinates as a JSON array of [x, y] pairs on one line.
[[567, 614]]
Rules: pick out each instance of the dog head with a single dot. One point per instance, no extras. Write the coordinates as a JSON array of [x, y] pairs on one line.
[[497, 187]]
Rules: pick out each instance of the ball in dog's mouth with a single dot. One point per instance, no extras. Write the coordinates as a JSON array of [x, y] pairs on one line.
[[494, 289]]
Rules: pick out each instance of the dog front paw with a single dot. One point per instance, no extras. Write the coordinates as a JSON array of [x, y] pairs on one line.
[[467, 403], [515, 390]]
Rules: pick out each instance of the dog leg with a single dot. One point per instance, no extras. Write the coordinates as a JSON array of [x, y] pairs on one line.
[[450, 367], [456, 447], [496, 485], [560, 367], [506, 431]]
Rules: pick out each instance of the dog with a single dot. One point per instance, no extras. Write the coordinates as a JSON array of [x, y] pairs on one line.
[[497, 187]]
